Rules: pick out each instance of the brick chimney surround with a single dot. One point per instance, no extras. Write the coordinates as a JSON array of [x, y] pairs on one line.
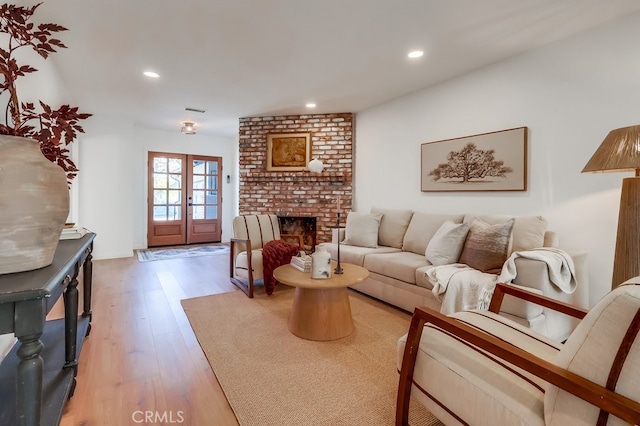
[[302, 193]]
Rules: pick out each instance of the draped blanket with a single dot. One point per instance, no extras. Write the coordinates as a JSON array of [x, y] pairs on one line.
[[559, 263], [458, 286], [275, 253]]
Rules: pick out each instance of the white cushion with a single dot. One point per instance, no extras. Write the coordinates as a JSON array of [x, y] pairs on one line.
[[242, 268], [393, 226], [470, 383], [260, 229], [362, 229], [590, 352], [519, 307], [446, 245]]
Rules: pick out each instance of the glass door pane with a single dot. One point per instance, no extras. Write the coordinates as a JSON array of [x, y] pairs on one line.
[[167, 189], [205, 189]]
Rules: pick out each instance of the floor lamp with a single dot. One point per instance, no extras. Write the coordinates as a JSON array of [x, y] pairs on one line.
[[620, 152]]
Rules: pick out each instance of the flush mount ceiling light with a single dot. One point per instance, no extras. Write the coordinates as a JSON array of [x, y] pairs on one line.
[[415, 54], [188, 128], [310, 105], [151, 74]]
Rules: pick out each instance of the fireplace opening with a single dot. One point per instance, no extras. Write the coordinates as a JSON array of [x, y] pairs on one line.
[[291, 227]]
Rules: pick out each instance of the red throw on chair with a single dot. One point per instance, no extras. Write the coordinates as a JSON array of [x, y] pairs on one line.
[[275, 253]]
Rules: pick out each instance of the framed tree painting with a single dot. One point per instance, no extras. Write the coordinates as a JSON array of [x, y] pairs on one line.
[[288, 151], [495, 161]]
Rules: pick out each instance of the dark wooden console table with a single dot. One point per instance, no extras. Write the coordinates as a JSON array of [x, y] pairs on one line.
[[38, 375]]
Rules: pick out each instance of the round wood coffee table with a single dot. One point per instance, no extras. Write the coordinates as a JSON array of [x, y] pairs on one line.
[[321, 308]]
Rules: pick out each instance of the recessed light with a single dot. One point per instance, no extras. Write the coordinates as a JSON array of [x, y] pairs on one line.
[[151, 74], [415, 54], [310, 105]]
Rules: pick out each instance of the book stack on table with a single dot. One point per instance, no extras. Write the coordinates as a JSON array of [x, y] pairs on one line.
[[301, 263], [72, 233]]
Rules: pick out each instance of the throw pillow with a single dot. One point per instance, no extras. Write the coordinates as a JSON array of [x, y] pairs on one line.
[[422, 228], [362, 229], [528, 231], [393, 226], [487, 246], [446, 244]]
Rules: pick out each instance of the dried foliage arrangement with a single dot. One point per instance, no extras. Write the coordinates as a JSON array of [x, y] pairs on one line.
[[53, 128]]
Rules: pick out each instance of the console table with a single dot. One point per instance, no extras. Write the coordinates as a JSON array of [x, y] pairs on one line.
[[38, 375]]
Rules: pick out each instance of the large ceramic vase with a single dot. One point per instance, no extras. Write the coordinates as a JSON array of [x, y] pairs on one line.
[[34, 205]]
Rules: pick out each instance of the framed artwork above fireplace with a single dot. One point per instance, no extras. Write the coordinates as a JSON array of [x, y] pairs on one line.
[[288, 151]]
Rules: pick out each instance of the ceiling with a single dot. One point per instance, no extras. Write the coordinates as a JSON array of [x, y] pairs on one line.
[[241, 58]]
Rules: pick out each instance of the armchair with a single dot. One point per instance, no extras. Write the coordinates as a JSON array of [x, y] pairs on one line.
[[479, 368], [250, 234]]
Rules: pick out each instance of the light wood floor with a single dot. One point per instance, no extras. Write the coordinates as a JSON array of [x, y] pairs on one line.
[[142, 358]]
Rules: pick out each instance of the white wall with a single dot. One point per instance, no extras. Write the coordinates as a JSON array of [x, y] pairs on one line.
[[113, 179], [105, 184], [570, 95]]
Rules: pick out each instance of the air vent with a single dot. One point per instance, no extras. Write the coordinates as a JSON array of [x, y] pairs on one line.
[[201, 111]]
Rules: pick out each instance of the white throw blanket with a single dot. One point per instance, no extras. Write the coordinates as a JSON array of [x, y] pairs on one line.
[[458, 286], [560, 265]]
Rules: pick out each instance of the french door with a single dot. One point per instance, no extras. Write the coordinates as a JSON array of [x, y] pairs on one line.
[[184, 199]]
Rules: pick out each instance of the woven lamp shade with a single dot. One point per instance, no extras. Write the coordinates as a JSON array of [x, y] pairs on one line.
[[619, 152]]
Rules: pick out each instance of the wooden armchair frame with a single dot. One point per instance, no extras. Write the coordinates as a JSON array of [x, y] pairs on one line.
[[247, 287], [587, 390]]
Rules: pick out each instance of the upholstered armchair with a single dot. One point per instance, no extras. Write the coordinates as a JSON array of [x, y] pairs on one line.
[[478, 368], [250, 234]]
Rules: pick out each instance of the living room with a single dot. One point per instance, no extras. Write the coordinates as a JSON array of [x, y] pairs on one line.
[[569, 94]]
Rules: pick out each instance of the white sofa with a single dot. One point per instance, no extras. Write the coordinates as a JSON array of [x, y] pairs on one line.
[[395, 253]]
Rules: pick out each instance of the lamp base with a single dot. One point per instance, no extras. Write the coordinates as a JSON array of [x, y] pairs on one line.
[[626, 263]]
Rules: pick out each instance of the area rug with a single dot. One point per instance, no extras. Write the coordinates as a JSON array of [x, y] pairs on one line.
[[176, 253], [272, 377]]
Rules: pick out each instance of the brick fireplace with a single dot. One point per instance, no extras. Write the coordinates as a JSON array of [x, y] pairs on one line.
[[299, 193], [305, 226]]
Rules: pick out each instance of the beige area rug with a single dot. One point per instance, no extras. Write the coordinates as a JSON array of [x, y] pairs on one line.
[[272, 377]]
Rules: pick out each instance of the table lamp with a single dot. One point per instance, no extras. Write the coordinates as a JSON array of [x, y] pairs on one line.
[[620, 152]]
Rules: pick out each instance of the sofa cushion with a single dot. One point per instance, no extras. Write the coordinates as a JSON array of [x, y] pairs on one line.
[[528, 231], [422, 280], [487, 246], [519, 307], [355, 254], [446, 244], [393, 226], [242, 266], [362, 229], [400, 265], [422, 228]]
